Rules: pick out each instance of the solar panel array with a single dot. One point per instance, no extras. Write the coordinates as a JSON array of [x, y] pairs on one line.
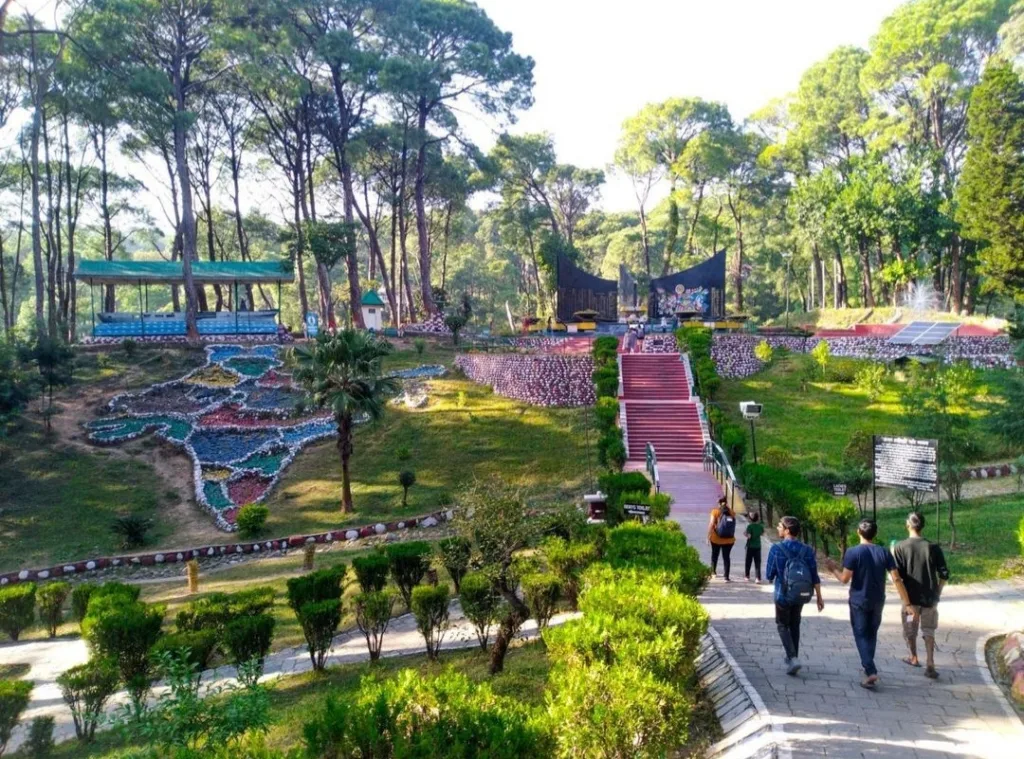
[[924, 333]]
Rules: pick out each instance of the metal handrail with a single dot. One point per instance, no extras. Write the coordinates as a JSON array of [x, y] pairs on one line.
[[652, 467], [716, 462]]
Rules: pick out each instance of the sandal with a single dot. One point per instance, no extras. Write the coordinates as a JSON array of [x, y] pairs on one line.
[[931, 673], [868, 683], [910, 662]]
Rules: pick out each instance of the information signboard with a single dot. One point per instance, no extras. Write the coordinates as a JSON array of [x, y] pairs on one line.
[[903, 462], [637, 510], [839, 489]]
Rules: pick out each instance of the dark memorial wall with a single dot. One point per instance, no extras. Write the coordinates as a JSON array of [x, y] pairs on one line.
[[700, 288], [580, 291]]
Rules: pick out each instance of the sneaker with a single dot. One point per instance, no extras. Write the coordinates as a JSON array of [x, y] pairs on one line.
[[792, 666]]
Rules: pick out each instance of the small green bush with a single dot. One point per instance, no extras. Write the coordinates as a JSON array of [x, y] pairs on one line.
[[1020, 535], [823, 478], [430, 607], [39, 741], [763, 352], [248, 640], [319, 621], [14, 696], [198, 647], [408, 563], [822, 355], [133, 530], [734, 443], [870, 380], [611, 450], [51, 598], [86, 689], [17, 608], [124, 632], [252, 518], [479, 604], [650, 547], [322, 585], [568, 560], [371, 571], [455, 554], [860, 449], [80, 596], [844, 370], [373, 615], [541, 591], [420, 345], [778, 457]]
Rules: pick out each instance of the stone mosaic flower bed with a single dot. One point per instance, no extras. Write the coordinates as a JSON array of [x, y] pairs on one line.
[[238, 419]]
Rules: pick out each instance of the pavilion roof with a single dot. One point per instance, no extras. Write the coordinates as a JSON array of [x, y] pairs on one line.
[[170, 272]]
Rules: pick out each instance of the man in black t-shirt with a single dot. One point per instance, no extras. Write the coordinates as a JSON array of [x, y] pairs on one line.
[[922, 566]]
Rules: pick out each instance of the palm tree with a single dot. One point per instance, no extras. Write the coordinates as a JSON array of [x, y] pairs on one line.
[[343, 372]]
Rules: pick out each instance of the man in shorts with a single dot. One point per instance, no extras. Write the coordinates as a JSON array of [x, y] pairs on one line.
[[922, 566]]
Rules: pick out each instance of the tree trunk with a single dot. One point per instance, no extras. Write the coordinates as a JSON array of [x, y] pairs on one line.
[[867, 292], [419, 192], [737, 219], [693, 224], [300, 272], [956, 293], [37, 239], [188, 219], [345, 451], [355, 294], [645, 240], [515, 615], [672, 231], [819, 275]]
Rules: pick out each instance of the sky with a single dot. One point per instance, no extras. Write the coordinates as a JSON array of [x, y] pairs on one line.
[[597, 62]]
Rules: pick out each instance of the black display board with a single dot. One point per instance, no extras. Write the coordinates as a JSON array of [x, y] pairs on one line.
[[700, 289], [904, 462], [579, 290]]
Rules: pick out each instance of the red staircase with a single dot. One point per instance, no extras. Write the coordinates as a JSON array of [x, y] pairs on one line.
[[658, 408]]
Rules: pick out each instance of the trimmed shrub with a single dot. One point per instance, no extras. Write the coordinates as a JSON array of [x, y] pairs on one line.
[[606, 412], [80, 596], [606, 381], [605, 350], [734, 443], [616, 711], [652, 548], [406, 478], [248, 640], [479, 604], [455, 554], [566, 520], [373, 615], [197, 647], [319, 621], [408, 562], [215, 610], [86, 689], [39, 741], [114, 589], [17, 608], [430, 607], [322, 585], [541, 591], [252, 518], [51, 598], [844, 370], [823, 478], [371, 571], [124, 632], [611, 450], [14, 696], [568, 560], [1020, 535]]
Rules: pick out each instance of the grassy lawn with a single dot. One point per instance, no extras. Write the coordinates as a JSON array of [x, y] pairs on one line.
[[986, 535], [464, 432], [815, 420], [294, 700]]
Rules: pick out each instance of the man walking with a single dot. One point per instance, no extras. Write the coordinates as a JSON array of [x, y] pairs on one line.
[[864, 568], [794, 568], [922, 566]]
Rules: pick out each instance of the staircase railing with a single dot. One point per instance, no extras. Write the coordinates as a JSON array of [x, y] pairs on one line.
[[716, 462], [652, 467]]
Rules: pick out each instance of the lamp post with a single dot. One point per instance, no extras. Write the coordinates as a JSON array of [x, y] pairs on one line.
[[751, 411], [788, 258]]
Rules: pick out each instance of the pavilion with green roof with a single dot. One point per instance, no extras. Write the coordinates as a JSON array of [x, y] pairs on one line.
[[146, 324]]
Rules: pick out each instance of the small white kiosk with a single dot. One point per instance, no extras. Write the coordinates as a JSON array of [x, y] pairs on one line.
[[373, 310]]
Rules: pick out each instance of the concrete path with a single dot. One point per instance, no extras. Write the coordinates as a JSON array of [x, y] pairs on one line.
[[48, 659], [823, 711]]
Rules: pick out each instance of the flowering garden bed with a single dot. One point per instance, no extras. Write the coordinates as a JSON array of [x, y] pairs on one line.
[[238, 417]]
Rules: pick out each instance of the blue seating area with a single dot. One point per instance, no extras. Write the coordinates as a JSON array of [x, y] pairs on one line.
[[174, 325]]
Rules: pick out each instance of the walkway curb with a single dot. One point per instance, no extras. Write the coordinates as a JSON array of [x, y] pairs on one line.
[[750, 731]]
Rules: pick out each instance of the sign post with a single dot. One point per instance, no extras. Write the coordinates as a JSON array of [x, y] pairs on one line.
[[637, 510], [903, 462]]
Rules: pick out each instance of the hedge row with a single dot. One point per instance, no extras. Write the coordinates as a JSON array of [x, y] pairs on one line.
[[611, 448]]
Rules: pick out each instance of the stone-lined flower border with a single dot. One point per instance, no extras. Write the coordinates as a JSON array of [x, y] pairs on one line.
[[348, 534], [991, 472]]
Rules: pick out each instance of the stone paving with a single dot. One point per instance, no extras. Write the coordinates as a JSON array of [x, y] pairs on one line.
[[48, 659], [823, 711]]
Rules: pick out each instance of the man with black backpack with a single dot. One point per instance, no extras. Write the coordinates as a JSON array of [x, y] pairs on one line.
[[794, 568], [722, 536]]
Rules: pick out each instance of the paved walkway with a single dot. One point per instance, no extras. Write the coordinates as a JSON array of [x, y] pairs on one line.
[[48, 659], [823, 711]]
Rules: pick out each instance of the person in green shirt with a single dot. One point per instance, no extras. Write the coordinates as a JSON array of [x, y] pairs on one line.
[[753, 532]]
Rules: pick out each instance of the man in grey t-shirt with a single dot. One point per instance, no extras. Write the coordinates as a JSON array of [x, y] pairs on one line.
[[922, 566]]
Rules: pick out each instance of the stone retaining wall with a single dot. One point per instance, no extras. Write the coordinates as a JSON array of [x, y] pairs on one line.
[[223, 549], [541, 380]]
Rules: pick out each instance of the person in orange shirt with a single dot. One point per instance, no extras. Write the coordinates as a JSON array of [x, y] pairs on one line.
[[722, 536]]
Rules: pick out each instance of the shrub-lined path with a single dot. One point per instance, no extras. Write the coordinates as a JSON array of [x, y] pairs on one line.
[[823, 711], [48, 659]]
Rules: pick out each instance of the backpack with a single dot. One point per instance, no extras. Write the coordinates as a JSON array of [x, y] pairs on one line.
[[726, 527], [797, 582]]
